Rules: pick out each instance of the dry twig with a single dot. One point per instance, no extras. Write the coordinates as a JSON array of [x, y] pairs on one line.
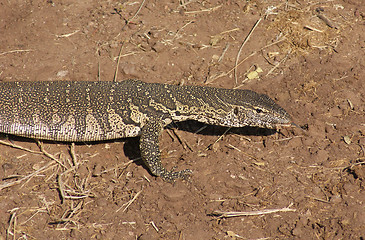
[[240, 50], [204, 10], [15, 51], [325, 19], [221, 214], [12, 225], [224, 52], [182, 141], [245, 59], [42, 169], [119, 165], [18, 147], [135, 15], [129, 202], [67, 34], [236, 148], [277, 65], [47, 154], [154, 226], [73, 155], [218, 139], [118, 60]]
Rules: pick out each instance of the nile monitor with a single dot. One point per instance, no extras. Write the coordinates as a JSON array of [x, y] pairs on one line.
[[76, 111]]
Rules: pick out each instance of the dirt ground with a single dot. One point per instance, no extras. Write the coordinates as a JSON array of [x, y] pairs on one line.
[[292, 184]]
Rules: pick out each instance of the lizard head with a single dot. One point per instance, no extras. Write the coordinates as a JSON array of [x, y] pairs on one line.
[[249, 108]]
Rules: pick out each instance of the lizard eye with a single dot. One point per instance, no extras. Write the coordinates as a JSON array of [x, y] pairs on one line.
[[258, 110]]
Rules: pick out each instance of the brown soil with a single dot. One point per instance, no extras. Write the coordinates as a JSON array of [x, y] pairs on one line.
[[312, 60]]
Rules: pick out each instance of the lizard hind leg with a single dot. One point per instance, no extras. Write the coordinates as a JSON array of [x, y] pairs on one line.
[[150, 151]]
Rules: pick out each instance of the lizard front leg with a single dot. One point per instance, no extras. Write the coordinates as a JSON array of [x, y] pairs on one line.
[[150, 150]]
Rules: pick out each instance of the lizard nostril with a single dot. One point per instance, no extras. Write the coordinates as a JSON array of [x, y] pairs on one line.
[[235, 111]]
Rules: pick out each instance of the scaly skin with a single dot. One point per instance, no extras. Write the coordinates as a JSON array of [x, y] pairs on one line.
[[76, 111]]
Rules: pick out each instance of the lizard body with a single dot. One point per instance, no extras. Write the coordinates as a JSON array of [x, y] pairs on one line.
[[75, 111]]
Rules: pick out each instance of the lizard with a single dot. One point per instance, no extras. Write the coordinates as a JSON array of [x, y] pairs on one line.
[[86, 111]]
